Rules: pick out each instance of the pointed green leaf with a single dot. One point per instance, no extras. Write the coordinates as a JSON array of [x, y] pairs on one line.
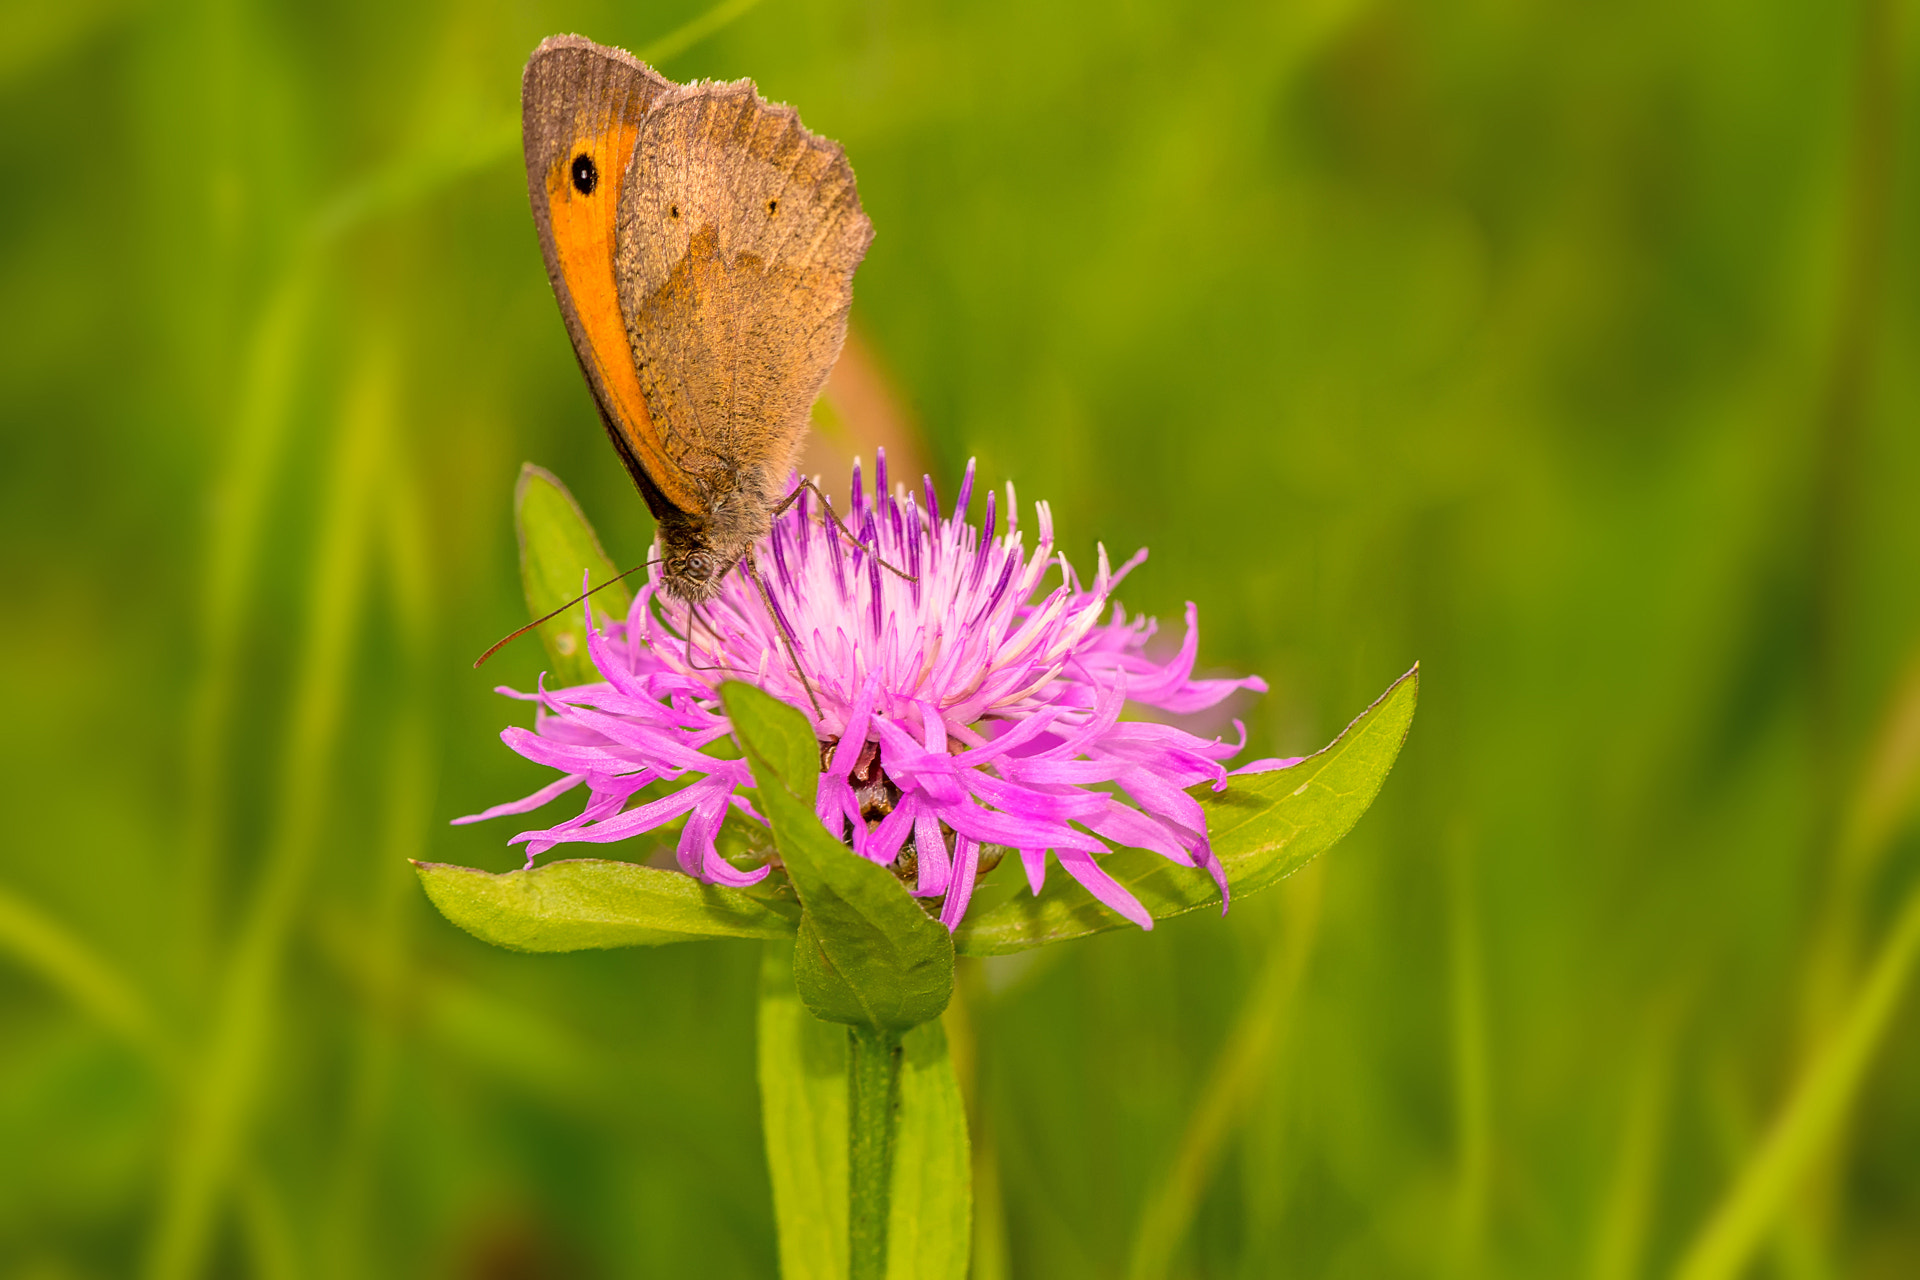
[[803, 1103], [1264, 827], [558, 550], [874, 955], [769, 730], [586, 903]]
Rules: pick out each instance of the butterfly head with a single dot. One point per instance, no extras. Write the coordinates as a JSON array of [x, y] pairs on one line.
[[696, 554], [692, 574]]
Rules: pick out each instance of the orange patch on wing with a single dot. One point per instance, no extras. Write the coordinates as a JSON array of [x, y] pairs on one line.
[[583, 226]]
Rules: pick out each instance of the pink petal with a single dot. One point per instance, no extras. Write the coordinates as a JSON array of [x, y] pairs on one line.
[[1104, 887], [558, 787], [966, 863]]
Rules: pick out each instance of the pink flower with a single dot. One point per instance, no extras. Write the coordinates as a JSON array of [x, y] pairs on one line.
[[960, 710]]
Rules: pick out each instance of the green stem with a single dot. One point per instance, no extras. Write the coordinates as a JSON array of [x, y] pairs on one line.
[[873, 1103]]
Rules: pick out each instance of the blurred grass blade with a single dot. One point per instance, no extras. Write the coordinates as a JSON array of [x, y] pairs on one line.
[[683, 38], [869, 953], [803, 1107], [34, 35], [69, 965], [382, 939], [1880, 801], [423, 171], [580, 904], [1879, 805], [1241, 1077], [271, 1247], [1633, 1194], [226, 1084], [237, 513], [803, 1102], [1814, 1112], [1889, 786], [1472, 1087], [1263, 827], [558, 550], [420, 173]]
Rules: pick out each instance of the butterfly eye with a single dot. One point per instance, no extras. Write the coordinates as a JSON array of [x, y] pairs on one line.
[[585, 176]]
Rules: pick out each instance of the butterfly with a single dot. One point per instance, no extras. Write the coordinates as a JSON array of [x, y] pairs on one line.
[[701, 244]]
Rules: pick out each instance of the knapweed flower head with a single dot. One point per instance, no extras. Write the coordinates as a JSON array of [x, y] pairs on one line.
[[961, 708]]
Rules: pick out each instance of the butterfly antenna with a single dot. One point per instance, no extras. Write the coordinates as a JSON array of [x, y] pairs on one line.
[[827, 503], [509, 638], [780, 629]]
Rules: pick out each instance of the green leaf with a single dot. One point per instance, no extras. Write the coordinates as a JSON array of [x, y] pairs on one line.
[[1264, 827], [558, 550], [803, 1104], [872, 955], [829, 995], [803, 1110], [930, 1222], [586, 903], [770, 731]]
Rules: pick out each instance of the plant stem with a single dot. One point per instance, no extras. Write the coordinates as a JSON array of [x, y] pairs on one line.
[[873, 1101]]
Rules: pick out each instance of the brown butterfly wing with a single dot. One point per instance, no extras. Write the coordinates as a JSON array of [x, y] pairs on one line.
[[736, 244], [583, 102]]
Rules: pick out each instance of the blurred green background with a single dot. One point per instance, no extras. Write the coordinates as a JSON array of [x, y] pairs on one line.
[[1569, 350]]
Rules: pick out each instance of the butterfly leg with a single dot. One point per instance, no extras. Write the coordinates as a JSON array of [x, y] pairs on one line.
[[826, 504]]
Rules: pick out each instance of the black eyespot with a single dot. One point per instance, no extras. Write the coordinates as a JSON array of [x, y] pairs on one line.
[[773, 207], [673, 211], [585, 176]]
